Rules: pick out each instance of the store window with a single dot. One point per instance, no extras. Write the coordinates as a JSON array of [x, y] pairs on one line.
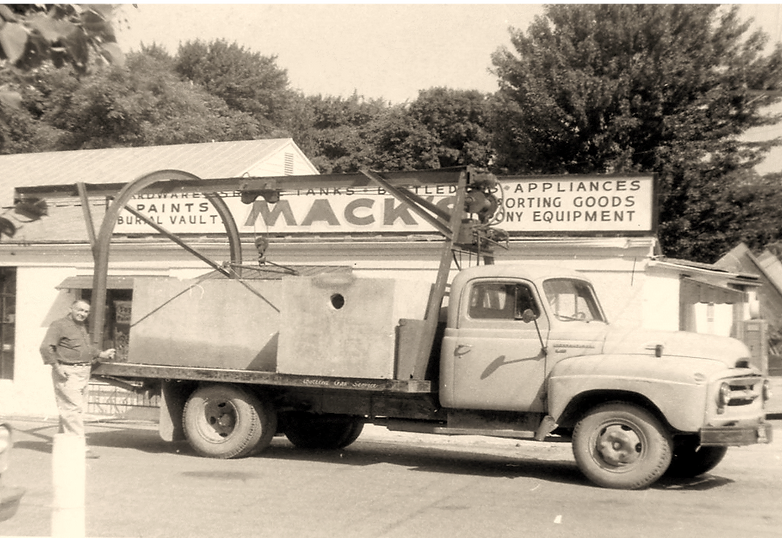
[[117, 322], [7, 321]]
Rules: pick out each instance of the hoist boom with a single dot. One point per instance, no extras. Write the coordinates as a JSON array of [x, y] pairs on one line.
[[465, 227]]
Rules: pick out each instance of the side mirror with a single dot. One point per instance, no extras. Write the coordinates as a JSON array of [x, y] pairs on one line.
[[528, 316]]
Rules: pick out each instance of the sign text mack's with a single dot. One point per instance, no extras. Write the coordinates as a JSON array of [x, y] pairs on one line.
[[559, 204]]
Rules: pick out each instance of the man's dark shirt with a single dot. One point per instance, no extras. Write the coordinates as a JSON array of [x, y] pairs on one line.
[[67, 341]]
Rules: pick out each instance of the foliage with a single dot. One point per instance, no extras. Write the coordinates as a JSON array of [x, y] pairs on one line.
[[334, 135], [458, 122], [746, 210], [443, 127], [640, 88], [247, 81], [31, 34], [21, 133], [34, 36], [145, 104], [401, 142]]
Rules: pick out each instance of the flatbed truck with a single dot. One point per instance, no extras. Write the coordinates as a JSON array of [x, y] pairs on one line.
[[242, 354]]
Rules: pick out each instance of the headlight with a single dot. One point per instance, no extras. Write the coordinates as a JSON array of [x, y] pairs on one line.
[[723, 396], [766, 390]]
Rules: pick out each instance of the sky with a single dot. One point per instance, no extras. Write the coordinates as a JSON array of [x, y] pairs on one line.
[[376, 50], [389, 51]]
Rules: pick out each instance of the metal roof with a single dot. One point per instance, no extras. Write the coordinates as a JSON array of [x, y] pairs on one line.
[[122, 165]]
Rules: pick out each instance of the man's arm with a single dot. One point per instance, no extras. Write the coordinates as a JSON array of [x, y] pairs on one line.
[[49, 345]]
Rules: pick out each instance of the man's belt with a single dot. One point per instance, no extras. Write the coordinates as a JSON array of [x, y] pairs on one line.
[[74, 363]]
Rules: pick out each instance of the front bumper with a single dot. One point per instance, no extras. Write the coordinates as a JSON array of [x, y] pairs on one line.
[[736, 435]]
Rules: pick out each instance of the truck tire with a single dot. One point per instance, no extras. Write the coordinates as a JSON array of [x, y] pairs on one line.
[[621, 446], [324, 432], [690, 459], [225, 421]]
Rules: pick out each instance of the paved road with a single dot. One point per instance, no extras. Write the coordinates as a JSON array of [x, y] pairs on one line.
[[387, 485]]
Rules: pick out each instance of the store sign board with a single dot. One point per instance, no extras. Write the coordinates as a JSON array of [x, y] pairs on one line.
[[561, 204]]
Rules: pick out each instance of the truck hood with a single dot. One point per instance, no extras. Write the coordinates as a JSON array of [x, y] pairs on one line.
[[676, 344]]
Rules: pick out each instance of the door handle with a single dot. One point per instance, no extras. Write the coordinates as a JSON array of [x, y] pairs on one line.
[[462, 349]]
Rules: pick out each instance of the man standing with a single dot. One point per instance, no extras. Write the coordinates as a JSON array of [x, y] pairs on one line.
[[67, 348]]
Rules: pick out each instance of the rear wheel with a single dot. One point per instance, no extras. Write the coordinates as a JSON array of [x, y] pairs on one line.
[[326, 432], [226, 421], [690, 459], [621, 446]]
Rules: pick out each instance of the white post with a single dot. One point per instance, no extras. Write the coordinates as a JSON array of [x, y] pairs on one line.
[[69, 471]]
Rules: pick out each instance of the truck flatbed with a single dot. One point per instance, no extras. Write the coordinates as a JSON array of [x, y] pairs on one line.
[[223, 375]]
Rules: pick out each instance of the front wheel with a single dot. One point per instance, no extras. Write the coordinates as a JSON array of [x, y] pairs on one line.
[[227, 421], [621, 446]]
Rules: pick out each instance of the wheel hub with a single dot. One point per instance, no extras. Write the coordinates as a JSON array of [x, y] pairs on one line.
[[221, 417], [619, 445]]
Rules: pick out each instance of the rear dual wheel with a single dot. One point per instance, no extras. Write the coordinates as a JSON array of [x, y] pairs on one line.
[[325, 432], [227, 421]]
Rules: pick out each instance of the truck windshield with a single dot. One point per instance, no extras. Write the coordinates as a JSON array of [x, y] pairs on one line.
[[572, 300]]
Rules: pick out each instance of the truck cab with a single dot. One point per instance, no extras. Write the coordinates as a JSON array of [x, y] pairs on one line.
[[507, 328], [534, 339]]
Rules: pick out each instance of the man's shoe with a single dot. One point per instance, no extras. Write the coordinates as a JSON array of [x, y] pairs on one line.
[[90, 455]]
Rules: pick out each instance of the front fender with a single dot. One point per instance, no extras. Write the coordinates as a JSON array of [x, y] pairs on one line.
[[677, 386]]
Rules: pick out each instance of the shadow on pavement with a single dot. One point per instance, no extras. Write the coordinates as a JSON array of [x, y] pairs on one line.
[[143, 440], [416, 457], [432, 460], [699, 483], [109, 436]]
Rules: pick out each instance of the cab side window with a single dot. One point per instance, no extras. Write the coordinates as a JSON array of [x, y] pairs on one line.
[[501, 300]]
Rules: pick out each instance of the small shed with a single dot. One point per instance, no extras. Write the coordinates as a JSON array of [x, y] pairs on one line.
[[769, 270]]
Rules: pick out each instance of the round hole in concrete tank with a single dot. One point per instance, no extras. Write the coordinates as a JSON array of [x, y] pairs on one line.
[[337, 301]]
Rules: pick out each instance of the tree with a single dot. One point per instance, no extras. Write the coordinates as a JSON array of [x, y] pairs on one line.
[[21, 132], [458, 122], [400, 142], [143, 104], [334, 131], [31, 34], [34, 36], [247, 81], [442, 127], [640, 88]]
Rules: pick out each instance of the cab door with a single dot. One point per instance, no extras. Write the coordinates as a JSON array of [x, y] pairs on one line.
[[492, 359]]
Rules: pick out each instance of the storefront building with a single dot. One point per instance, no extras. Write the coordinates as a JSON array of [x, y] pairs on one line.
[[603, 226]]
